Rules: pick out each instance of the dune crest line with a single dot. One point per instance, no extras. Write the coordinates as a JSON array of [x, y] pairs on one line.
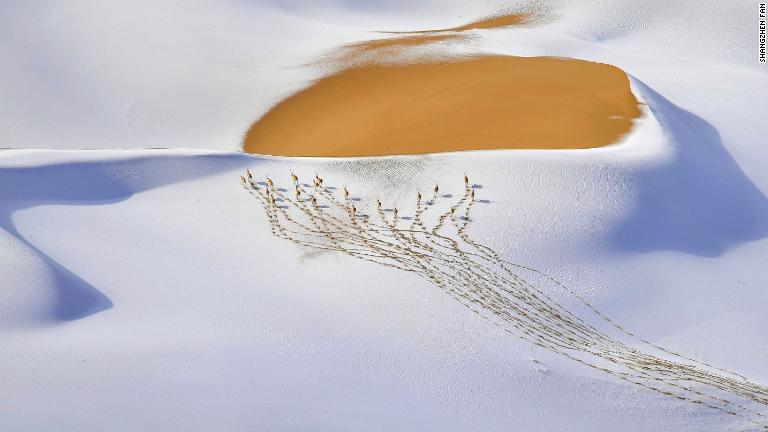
[[433, 243]]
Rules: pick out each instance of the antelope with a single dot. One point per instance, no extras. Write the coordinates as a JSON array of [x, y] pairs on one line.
[[316, 182], [346, 193], [269, 182], [294, 178], [466, 180], [394, 215], [436, 189], [298, 193], [272, 200], [472, 194], [452, 211], [418, 197], [378, 203], [353, 210], [314, 201]]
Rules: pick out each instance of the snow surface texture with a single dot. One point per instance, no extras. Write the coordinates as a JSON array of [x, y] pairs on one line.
[[143, 290]]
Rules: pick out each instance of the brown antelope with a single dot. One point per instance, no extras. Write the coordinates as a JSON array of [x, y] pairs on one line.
[[346, 193], [294, 178], [270, 183], [378, 203], [314, 201], [316, 182], [466, 180], [320, 180], [298, 194], [353, 210], [453, 210], [272, 200], [418, 197]]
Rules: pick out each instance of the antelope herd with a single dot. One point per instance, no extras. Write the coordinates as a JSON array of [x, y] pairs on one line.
[[317, 181], [512, 297]]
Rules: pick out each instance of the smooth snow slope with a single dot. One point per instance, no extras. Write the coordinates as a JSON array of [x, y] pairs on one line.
[[142, 290]]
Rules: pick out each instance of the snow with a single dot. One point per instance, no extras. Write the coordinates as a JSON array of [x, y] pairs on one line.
[[142, 290]]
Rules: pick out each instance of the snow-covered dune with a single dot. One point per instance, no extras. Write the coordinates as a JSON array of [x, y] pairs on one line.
[[143, 290]]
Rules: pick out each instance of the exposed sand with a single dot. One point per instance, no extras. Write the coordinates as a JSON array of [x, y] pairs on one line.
[[403, 42], [485, 23], [388, 49], [483, 103]]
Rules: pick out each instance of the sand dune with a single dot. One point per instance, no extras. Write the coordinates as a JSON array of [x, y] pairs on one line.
[[472, 96], [142, 289], [481, 103]]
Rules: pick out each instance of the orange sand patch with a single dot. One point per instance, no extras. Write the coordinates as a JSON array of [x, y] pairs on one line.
[[403, 49], [497, 21], [403, 42], [396, 45], [482, 103]]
